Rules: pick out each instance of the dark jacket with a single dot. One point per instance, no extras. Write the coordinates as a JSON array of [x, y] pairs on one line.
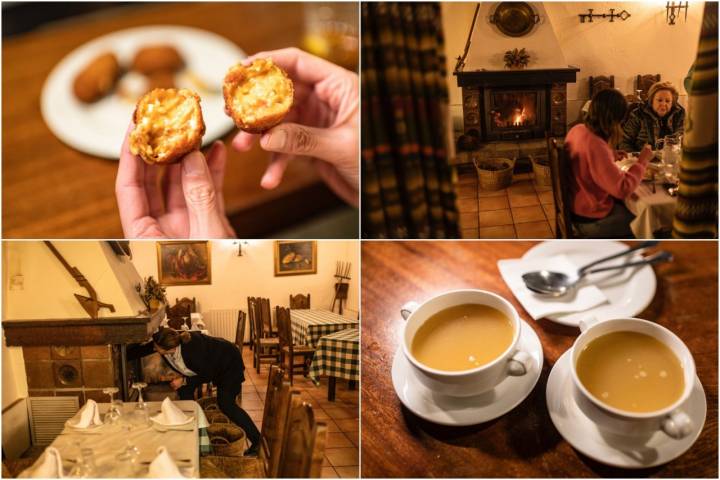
[[213, 359], [643, 126]]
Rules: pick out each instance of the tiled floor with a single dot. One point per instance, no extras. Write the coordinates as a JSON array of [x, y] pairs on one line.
[[523, 210], [342, 416]]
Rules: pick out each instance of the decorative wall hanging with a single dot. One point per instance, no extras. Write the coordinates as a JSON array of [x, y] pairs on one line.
[[672, 11], [623, 15], [184, 263], [295, 257], [516, 59], [514, 19], [342, 273]]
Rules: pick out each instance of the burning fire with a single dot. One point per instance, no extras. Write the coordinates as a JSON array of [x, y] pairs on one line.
[[519, 119]]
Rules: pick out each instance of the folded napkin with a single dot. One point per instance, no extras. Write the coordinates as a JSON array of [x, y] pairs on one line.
[[539, 306], [163, 466], [49, 467], [89, 416], [170, 414], [195, 316]]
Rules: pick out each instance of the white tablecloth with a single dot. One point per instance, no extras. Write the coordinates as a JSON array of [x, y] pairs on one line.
[[108, 440], [653, 211]]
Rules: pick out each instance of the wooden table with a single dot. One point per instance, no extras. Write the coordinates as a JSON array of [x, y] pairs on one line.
[[51, 190], [309, 325], [523, 442], [337, 356]]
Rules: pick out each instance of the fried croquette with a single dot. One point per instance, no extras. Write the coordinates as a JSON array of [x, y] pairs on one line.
[[97, 79], [161, 79], [168, 125], [156, 58], [257, 96]]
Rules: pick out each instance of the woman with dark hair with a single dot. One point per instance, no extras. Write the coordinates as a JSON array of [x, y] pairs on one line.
[[599, 187], [652, 121], [198, 359]]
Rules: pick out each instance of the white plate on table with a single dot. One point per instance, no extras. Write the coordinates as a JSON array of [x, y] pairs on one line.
[[628, 291], [99, 128]]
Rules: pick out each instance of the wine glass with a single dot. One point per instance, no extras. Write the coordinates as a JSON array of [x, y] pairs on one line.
[[115, 410], [141, 410], [85, 466]]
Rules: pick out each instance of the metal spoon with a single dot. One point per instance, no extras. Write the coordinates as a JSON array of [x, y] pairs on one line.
[[556, 284]]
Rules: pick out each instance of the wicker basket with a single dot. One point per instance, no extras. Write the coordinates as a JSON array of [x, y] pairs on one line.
[[541, 169], [208, 403], [494, 173], [216, 416], [227, 440]]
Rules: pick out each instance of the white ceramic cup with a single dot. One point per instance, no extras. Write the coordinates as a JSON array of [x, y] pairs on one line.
[[464, 383], [672, 419]]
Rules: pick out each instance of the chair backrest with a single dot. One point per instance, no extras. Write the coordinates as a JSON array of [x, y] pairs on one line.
[[304, 445], [251, 318], [240, 330], [300, 301], [257, 321], [644, 82], [562, 195], [274, 423], [282, 315], [601, 82], [266, 315], [190, 304], [178, 315]]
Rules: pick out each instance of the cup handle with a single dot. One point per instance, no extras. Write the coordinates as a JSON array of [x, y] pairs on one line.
[[519, 364], [407, 309], [677, 425], [586, 323]]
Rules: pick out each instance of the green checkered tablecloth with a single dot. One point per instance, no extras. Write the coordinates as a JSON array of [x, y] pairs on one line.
[[337, 355], [309, 325]]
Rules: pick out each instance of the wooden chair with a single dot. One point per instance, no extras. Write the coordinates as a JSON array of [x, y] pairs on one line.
[[251, 320], [644, 82], [265, 347], [191, 304], [288, 351], [179, 315], [240, 331], [274, 423], [562, 196], [600, 83], [304, 443], [265, 313], [299, 302]]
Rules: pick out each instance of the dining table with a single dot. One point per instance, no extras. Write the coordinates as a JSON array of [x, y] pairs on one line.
[[51, 190], [184, 443], [653, 207], [308, 325], [337, 355], [523, 442]]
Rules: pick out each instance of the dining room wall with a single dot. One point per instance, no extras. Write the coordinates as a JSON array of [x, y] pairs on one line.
[[643, 44], [234, 277]]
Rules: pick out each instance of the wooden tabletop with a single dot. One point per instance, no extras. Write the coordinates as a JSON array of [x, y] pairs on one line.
[[51, 190], [523, 442]]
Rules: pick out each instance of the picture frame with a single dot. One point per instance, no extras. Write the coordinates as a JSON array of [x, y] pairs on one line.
[[295, 257], [184, 263]]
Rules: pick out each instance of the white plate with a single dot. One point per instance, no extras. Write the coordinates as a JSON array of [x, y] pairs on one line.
[[628, 291], [99, 128], [614, 449], [167, 425], [459, 411]]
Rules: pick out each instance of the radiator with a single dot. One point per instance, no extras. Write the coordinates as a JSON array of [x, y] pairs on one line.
[[48, 416], [221, 323]]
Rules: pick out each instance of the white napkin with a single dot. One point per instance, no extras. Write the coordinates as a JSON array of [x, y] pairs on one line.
[[195, 316], [163, 466], [170, 414], [50, 467], [89, 416], [539, 306]]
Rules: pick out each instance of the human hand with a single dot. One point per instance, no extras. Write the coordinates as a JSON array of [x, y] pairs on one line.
[[620, 155], [646, 154], [187, 203], [176, 383], [322, 124]]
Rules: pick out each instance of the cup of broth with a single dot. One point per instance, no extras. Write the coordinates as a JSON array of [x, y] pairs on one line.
[[632, 376], [463, 342]]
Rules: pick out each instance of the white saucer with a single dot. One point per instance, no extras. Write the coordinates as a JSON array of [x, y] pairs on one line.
[[461, 411], [628, 291], [99, 128], [616, 450]]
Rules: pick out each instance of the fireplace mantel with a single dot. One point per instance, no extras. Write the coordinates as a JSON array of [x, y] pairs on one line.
[[75, 331], [487, 78]]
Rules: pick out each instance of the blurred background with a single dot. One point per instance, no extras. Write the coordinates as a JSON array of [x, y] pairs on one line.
[[53, 190]]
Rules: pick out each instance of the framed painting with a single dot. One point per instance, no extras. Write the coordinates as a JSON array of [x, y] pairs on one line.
[[184, 263], [295, 257]]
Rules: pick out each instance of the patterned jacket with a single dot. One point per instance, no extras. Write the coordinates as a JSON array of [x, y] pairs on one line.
[[643, 126]]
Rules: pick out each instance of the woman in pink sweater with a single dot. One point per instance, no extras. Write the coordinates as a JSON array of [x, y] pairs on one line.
[[598, 186]]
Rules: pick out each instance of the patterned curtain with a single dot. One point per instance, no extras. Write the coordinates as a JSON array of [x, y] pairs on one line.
[[407, 189], [696, 215]]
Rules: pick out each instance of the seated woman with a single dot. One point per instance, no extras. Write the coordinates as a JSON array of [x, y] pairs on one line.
[[599, 187], [198, 359], [660, 116]]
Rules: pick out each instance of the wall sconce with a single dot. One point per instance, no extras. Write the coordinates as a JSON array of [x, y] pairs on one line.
[[672, 11], [240, 247]]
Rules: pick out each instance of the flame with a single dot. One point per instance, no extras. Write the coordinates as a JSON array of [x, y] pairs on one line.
[[520, 118]]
